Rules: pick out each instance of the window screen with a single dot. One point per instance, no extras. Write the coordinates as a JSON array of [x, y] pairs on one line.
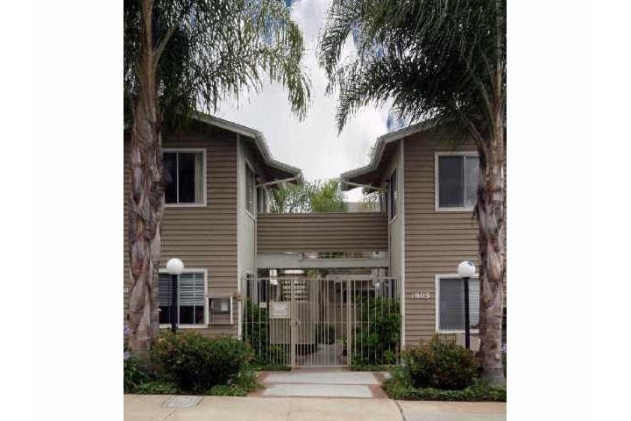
[[451, 304], [191, 299], [457, 181], [183, 176]]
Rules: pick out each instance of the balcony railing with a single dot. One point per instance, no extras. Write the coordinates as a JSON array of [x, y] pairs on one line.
[[322, 232]]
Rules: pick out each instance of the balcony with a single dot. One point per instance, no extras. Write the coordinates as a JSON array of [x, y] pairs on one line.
[[322, 232]]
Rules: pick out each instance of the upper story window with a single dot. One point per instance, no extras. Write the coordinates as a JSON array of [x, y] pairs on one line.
[[184, 177], [457, 181], [393, 194], [450, 299], [191, 299], [249, 189]]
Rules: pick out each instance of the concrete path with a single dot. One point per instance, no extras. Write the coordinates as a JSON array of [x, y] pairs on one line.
[[324, 384], [452, 411], [216, 408]]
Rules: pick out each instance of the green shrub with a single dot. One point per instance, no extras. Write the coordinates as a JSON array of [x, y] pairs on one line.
[[325, 334], [273, 367], [158, 388], [196, 363], [227, 390], [376, 340], [440, 364], [134, 375], [367, 367], [245, 382], [480, 390]]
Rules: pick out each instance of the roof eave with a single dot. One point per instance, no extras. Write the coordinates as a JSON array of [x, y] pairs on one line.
[[259, 140], [380, 146]]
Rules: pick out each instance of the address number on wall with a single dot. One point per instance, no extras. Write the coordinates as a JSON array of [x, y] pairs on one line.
[[422, 296]]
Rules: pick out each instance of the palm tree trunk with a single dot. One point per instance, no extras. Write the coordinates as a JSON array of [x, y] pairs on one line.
[[146, 201], [492, 249]]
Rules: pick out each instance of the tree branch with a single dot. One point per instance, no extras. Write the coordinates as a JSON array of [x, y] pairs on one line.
[[170, 32]]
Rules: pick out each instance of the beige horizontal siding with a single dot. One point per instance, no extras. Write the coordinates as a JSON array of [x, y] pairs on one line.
[[435, 242], [203, 237], [322, 232]]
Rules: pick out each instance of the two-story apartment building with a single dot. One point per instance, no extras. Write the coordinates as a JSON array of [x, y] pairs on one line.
[[309, 270]]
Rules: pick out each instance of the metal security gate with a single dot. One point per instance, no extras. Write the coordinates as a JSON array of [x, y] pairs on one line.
[[323, 322]]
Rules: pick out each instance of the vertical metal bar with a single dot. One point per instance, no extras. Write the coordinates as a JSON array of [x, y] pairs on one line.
[[174, 312], [292, 332], [348, 315], [467, 325]]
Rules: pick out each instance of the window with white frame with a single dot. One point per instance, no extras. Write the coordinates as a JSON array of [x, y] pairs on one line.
[[393, 194], [457, 181], [184, 177], [191, 299], [450, 301], [249, 189]]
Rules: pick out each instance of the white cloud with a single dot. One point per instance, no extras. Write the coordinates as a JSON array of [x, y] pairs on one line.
[[313, 144]]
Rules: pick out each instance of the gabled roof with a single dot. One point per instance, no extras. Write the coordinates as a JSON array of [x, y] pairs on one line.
[[283, 170], [383, 148]]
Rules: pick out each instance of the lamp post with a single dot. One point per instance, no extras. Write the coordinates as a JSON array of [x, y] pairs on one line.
[[466, 270], [174, 267]]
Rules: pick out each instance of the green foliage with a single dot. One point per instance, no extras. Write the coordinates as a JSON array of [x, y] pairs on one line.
[[245, 382], [157, 387], [326, 196], [207, 50], [227, 390], [291, 198], [256, 328], [256, 334], [400, 387], [273, 367], [434, 60], [134, 375], [195, 362], [369, 367], [376, 340], [310, 197], [440, 364], [325, 334]]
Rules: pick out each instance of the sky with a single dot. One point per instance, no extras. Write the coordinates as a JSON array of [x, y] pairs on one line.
[[312, 145]]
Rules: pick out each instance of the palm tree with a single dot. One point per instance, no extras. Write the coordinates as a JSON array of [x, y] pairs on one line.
[[442, 61], [181, 55]]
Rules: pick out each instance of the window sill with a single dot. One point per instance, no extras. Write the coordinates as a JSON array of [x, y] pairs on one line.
[[455, 209], [185, 205], [163, 326], [452, 332]]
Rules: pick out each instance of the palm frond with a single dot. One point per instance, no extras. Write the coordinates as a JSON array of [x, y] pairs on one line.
[[434, 59]]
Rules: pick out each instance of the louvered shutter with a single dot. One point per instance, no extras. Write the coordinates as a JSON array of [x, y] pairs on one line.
[[191, 289]]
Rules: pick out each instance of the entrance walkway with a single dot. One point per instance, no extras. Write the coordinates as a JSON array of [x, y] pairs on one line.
[[219, 408], [323, 384]]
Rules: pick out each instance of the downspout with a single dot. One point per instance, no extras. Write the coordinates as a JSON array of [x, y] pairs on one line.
[[239, 307]]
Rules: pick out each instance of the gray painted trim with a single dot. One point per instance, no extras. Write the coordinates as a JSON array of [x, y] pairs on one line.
[[294, 261], [381, 144], [402, 207]]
